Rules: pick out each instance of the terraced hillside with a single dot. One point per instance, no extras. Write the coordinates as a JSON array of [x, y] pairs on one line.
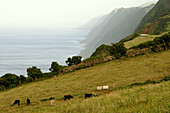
[[117, 73]]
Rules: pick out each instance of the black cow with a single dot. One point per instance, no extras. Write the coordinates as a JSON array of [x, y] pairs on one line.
[[28, 101], [90, 95], [16, 102], [67, 97]]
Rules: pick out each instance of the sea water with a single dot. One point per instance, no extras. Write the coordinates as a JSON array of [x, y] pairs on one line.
[[21, 49]]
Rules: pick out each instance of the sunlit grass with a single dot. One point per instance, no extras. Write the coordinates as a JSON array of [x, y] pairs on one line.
[[140, 39]]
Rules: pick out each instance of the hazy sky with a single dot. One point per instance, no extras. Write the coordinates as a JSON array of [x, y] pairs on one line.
[[57, 13]]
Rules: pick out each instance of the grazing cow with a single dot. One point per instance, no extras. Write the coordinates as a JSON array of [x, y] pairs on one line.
[[28, 101], [16, 102], [105, 87], [99, 88], [90, 95], [67, 97], [52, 102]]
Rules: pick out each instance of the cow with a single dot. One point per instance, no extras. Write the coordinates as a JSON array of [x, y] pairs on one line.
[[90, 95], [16, 102], [28, 101], [67, 97], [99, 88], [52, 102], [105, 87]]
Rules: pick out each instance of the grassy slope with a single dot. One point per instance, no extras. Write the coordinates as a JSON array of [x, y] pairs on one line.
[[138, 40], [121, 72], [146, 99], [141, 39]]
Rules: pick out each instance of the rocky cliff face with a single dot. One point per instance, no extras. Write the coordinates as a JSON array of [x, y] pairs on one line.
[[117, 25]]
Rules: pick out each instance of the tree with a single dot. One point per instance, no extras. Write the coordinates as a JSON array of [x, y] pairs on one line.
[[118, 49], [69, 61], [74, 60], [22, 79], [34, 72], [9, 80], [55, 67]]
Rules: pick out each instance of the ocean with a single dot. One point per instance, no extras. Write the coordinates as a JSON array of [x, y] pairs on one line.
[[21, 49]]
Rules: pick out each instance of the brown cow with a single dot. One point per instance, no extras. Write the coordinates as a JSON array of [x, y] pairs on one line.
[[67, 97]]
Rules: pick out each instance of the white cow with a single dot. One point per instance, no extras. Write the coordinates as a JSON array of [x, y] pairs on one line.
[[52, 102], [99, 88], [105, 87]]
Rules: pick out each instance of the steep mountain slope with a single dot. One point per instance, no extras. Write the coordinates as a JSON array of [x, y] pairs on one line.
[[155, 21], [117, 25]]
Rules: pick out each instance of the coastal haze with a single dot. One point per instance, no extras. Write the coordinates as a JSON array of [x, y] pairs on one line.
[[20, 50], [37, 32]]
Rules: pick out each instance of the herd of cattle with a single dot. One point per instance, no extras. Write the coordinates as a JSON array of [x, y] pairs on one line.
[[52, 102]]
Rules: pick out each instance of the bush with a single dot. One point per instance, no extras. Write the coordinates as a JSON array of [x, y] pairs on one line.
[[55, 67], [34, 72], [29, 79], [74, 60], [9, 80], [51, 98]]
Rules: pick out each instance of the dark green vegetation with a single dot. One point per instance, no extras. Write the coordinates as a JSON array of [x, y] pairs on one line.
[[74, 60], [55, 67], [156, 20], [34, 72], [167, 78], [9, 81], [117, 50]]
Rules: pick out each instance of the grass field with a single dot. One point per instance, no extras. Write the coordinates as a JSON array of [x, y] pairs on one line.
[[140, 39], [118, 73]]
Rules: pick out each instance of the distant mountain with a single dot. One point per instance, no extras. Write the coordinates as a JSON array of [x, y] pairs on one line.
[[117, 25], [156, 20], [93, 23], [148, 3]]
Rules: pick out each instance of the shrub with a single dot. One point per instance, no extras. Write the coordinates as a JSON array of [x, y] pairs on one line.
[[55, 67], [51, 98], [34, 72], [29, 79], [9, 80], [74, 60]]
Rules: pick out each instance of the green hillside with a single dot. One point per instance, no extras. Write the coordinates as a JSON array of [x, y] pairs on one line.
[[140, 39], [156, 20], [119, 73]]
